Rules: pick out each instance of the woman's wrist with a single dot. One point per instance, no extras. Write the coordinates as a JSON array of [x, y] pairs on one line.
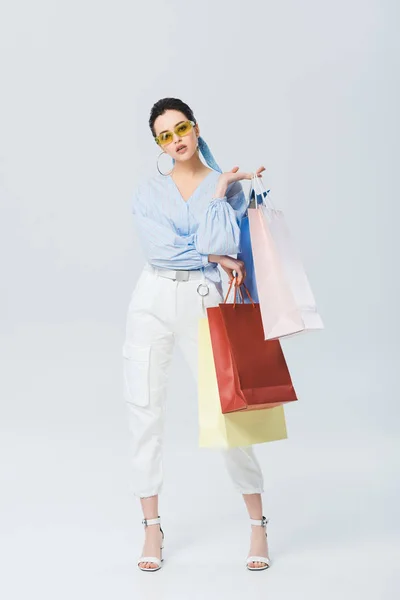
[[215, 258], [220, 193]]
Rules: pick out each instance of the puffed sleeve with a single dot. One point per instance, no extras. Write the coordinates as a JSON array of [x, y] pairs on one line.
[[219, 230], [165, 249]]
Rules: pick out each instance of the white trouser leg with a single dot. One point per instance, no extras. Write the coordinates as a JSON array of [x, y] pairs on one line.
[[241, 462], [147, 353]]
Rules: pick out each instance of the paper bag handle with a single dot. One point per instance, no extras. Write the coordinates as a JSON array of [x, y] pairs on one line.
[[237, 289]]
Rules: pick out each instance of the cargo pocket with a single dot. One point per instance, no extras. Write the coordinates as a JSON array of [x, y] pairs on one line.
[[136, 373]]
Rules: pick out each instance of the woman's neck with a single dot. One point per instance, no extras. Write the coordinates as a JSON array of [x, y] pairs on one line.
[[190, 168]]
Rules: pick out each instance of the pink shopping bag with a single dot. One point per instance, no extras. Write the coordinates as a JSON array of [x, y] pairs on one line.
[[287, 303]]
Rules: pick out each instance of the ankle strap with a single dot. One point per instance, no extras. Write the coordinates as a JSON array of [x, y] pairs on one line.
[[147, 522], [262, 521]]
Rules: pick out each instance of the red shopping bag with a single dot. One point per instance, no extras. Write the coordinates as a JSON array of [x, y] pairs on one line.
[[251, 372]]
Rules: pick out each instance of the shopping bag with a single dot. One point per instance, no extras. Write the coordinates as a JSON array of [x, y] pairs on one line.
[[287, 303], [246, 255], [251, 372], [243, 428], [245, 251]]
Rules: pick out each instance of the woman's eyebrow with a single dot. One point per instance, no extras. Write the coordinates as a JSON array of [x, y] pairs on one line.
[[168, 129]]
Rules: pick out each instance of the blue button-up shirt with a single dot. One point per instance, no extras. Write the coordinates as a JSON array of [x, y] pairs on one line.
[[179, 234]]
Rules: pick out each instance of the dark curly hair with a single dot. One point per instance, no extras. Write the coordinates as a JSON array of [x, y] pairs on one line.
[[165, 104]]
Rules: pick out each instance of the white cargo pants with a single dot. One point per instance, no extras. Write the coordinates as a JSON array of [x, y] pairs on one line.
[[163, 312]]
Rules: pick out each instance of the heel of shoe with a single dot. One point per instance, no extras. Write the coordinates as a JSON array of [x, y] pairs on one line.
[[162, 543]]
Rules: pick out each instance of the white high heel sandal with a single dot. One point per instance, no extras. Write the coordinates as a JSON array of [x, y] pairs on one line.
[[152, 559], [263, 522]]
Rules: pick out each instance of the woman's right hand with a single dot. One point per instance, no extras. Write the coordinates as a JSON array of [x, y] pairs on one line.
[[229, 265]]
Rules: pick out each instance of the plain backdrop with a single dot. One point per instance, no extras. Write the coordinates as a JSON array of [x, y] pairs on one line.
[[310, 90]]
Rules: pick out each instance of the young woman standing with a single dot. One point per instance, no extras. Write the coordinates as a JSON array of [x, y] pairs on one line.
[[189, 222]]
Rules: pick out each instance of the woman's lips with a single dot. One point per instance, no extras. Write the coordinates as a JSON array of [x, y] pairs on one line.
[[182, 150]]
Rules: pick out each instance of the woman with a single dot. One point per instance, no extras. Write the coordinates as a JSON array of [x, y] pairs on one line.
[[188, 220]]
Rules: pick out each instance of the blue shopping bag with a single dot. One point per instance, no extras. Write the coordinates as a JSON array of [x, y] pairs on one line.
[[245, 254]]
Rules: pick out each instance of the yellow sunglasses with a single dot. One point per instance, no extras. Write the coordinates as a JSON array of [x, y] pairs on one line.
[[181, 129]]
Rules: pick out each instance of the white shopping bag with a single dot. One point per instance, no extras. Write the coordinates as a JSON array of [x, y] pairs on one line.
[[287, 303]]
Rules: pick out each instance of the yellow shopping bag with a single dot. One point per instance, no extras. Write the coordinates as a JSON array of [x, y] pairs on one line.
[[242, 428]]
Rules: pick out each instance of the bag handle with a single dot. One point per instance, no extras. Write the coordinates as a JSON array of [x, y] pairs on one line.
[[248, 199], [238, 290], [252, 188], [266, 201]]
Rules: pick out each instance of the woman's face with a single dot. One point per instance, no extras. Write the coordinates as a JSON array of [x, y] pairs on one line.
[[167, 122]]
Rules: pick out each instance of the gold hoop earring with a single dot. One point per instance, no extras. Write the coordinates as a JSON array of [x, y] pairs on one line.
[[161, 173]]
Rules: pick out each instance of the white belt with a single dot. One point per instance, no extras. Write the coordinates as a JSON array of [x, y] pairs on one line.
[[181, 275], [178, 275]]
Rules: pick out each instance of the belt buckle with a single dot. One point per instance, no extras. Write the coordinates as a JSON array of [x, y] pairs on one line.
[[182, 275]]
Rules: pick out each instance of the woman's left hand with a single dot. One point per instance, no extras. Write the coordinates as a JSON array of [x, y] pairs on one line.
[[234, 175], [234, 268]]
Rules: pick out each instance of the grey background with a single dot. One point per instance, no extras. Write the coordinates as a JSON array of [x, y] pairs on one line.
[[310, 90]]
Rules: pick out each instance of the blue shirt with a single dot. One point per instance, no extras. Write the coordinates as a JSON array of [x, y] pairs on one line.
[[179, 234]]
